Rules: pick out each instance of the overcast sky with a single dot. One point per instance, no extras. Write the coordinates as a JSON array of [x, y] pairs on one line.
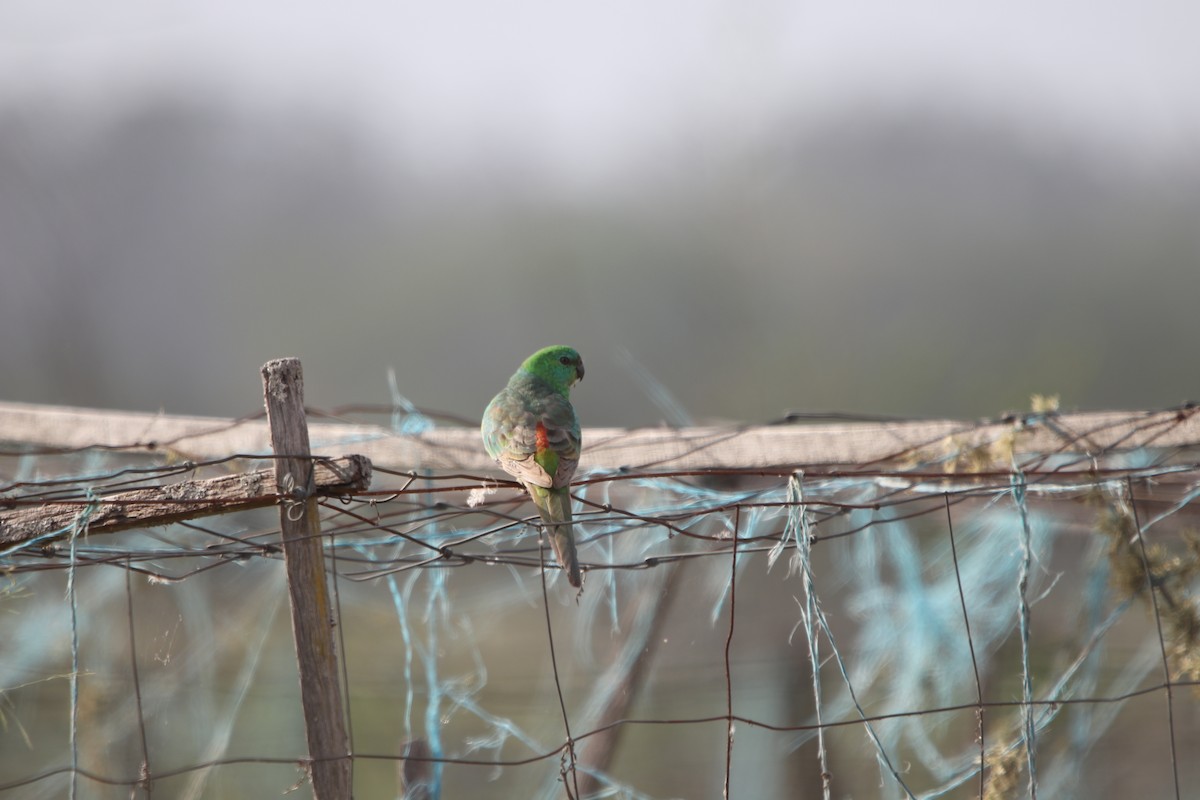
[[583, 87]]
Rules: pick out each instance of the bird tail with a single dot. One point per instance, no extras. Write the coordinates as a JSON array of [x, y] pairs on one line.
[[554, 506]]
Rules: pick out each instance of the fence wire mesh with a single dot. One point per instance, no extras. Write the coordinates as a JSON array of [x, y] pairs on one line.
[[954, 622]]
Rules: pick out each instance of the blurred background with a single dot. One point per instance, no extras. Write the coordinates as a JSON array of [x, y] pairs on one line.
[[913, 209]]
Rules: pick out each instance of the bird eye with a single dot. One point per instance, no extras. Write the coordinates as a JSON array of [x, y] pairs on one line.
[[564, 360]]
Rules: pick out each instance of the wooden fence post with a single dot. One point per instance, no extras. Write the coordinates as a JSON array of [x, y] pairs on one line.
[[312, 620]]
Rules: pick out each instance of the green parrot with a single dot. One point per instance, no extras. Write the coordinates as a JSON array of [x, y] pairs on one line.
[[531, 430]]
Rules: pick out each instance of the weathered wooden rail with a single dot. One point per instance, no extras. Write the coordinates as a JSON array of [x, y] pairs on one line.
[[708, 447]]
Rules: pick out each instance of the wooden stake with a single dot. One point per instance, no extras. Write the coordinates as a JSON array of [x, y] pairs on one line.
[[312, 612]]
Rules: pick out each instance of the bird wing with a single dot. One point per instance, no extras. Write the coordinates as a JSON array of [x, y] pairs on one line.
[[536, 439]]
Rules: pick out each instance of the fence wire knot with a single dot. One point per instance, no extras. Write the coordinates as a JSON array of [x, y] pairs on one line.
[[294, 498]]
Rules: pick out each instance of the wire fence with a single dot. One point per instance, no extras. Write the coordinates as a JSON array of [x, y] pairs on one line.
[[971, 618]]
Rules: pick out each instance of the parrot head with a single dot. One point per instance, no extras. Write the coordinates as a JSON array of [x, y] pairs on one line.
[[559, 366]]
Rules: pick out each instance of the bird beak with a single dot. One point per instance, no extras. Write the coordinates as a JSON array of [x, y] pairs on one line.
[[579, 370]]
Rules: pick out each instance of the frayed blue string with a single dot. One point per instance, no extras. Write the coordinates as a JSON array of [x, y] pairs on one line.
[[1183, 503], [36, 542], [813, 617], [1065, 687], [407, 420], [435, 608], [1018, 491], [1082, 729], [718, 578], [77, 527], [406, 637], [606, 583], [402, 600], [215, 713], [797, 526], [794, 531]]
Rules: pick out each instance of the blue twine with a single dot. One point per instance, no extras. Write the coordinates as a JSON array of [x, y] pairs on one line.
[[1067, 686], [1185, 501], [434, 607], [406, 637], [79, 525], [796, 530], [1018, 491], [407, 420], [811, 612], [797, 525]]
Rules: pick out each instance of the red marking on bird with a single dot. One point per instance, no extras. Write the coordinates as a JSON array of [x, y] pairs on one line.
[[543, 438]]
